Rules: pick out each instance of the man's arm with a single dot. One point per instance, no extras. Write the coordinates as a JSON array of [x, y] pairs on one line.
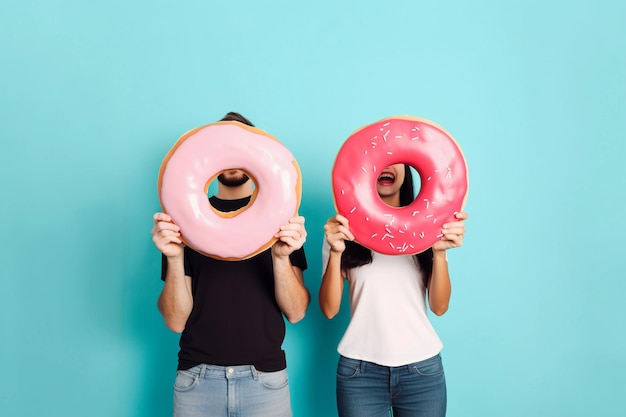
[[175, 302], [291, 294]]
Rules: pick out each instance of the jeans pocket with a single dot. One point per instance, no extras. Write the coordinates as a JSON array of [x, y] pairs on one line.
[[428, 367], [186, 380], [274, 380], [347, 368]]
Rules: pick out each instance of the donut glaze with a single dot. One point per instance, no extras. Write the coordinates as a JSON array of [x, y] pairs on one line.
[[198, 157], [424, 146]]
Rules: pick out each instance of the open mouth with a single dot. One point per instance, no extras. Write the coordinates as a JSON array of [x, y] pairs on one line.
[[386, 178]]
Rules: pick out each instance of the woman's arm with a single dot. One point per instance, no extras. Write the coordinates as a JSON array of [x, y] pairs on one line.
[[331, 289], [439, 286]]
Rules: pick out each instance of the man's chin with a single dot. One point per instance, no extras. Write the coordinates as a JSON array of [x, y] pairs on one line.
[[232, 181]]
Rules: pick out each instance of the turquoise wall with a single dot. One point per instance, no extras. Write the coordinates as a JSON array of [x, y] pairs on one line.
[[93, 94]]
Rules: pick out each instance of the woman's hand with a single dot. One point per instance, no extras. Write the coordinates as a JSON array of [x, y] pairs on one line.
[[337, 231], [453, 233]]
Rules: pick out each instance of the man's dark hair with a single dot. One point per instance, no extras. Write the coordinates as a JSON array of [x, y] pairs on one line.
[[232, 116]]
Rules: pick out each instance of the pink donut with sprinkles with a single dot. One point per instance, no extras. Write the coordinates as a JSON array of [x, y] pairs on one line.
[[198, 157], [417, 142]]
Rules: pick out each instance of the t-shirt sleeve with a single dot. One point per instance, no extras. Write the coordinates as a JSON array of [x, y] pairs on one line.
[[187, 256], [298, 258]]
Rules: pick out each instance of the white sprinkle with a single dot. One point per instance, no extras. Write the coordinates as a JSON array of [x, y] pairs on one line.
[[400, 231], [415, 138], [343, 192], [422, 235], [434, 221], [429, 216], [386, 124], [387, 229], [411, 246], [427, 203], [363, 169], [439, 236], [352, 211], [398, 136], [406, 227], [428, 179], [367, 219], [374, 235], [389, 153], [415, 212], [391, 244]]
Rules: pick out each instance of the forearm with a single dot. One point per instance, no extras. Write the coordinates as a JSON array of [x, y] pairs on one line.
[[176, 301], [291, 294], [439, 286], [331, 289]]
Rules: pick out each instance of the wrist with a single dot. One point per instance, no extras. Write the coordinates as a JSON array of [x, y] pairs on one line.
[[440, 255]]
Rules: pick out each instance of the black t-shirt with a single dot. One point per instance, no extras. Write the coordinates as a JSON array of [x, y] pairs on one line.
[[235, 319]]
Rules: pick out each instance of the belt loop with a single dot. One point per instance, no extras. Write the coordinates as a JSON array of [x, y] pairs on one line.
[[202, 371], [254, 372], [362, 364]]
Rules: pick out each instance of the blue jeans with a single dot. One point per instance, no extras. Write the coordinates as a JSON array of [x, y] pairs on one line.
[[223, 391], [365, 389]]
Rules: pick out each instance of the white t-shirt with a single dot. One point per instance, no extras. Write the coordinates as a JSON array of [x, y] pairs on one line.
[[389, 323]]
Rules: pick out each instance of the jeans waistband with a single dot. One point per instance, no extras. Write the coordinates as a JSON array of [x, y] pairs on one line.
[[228, 372]]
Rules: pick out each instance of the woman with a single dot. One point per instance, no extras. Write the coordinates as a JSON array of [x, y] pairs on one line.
[[390, 352]]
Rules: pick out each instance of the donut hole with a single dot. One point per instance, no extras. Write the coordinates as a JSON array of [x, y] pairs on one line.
[[212, 189], [417, 182]]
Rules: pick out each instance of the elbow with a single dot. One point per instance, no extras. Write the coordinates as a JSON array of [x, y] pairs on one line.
[[329, 314], [297, 314], [328, 311], [175, 327], [439, 310], [172, 323], [294, 318]]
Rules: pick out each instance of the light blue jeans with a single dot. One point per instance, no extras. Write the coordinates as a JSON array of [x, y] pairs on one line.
[[365, 389], [224, 391]]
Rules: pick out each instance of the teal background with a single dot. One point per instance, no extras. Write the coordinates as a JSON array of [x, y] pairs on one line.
[[93, 95]]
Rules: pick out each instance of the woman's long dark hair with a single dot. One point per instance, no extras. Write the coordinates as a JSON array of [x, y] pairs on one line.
[[357, 255]]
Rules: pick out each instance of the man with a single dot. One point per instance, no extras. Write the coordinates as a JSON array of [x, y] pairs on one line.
[[230, 313]]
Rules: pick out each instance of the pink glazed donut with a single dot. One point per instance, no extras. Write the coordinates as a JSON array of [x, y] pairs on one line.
[[424, 146], [198, 157]]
